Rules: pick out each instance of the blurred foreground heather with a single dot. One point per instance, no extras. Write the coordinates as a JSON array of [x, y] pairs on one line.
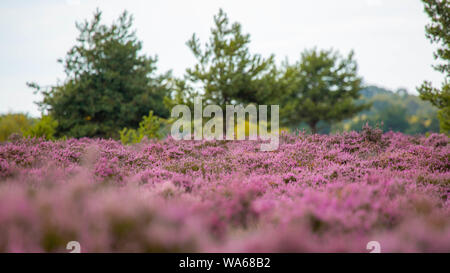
[[315, 193]]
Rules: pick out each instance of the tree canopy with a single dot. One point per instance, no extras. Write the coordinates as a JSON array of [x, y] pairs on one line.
[[321, 86], [226, 70], [438, 32], [109, 85]]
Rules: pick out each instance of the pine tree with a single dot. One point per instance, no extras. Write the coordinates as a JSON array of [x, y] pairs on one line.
[[322, 86], [108, 84], [226, 71], [438, 32]]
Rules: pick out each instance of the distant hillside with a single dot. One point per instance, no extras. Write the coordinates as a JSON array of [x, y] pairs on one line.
[[372, 91], [399, 111]]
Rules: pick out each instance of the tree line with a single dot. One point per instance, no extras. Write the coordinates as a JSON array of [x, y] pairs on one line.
[[112, 90]]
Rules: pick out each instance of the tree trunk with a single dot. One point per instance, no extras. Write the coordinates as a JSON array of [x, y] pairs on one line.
[[313, 127]]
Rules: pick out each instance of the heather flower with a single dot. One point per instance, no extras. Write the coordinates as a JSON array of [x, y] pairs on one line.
[[316, 193]]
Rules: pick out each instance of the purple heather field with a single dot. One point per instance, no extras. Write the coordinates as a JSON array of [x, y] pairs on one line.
[[316, 193]]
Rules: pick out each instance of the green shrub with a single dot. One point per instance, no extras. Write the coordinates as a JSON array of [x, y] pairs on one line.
[[45, 127], [14, 124], [129, 136], [149, 127]]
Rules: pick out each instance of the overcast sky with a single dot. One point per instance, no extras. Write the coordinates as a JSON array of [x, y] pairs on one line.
[[387, 36]]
